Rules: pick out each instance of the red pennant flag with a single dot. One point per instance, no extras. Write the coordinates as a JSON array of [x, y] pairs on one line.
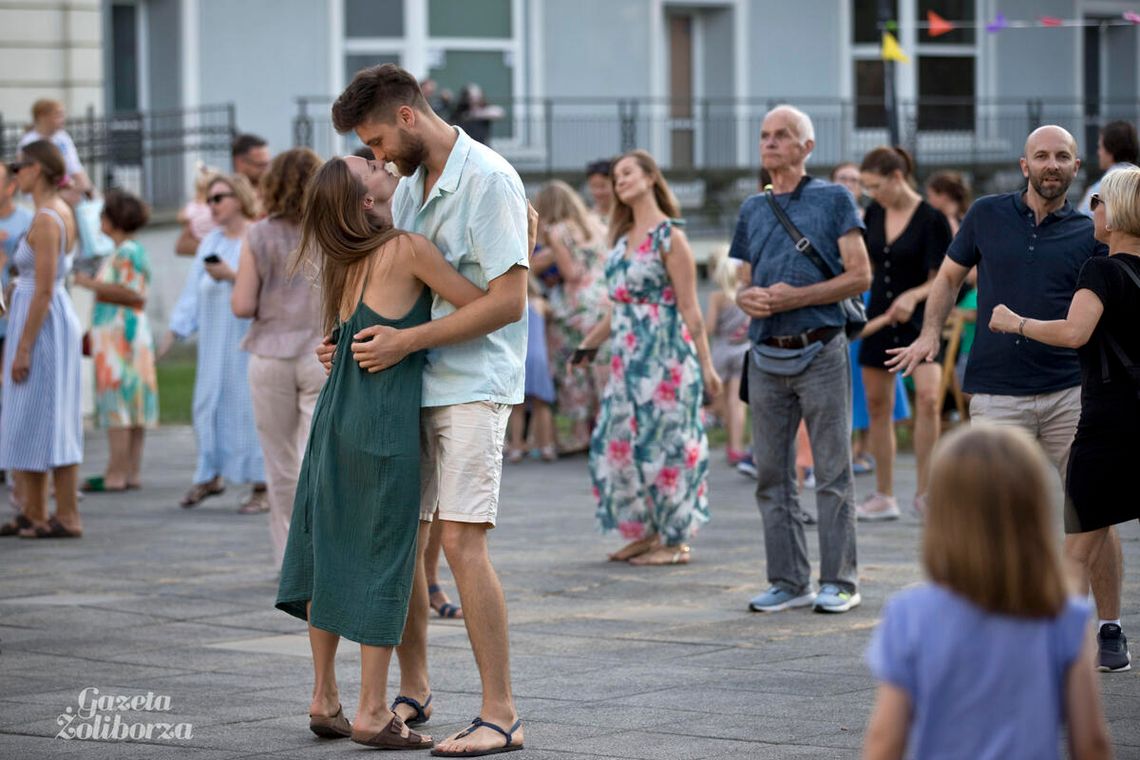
[[938, 26], [1051, 21]]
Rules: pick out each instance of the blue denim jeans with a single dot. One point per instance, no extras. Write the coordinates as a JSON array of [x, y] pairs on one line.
[[820, 395]]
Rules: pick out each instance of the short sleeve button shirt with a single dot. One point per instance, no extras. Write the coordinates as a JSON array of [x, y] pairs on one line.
[[476, 215], [823, 212], [1031, 268]]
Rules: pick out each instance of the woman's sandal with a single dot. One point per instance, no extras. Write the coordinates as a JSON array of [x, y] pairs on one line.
[[634, 549], [475, 725], [421, 717], [15, 525], [332, 726], [199, 492], [444, 610], [669, 555], [53, 528], [98, 484], [392, 737]]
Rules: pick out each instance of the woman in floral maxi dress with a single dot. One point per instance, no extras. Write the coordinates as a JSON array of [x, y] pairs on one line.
[[648, 452]]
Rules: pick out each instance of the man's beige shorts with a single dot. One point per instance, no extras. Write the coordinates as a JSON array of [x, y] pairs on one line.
[[461, 461]]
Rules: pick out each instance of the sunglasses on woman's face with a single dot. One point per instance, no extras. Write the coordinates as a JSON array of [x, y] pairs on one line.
[[1094, 201], [14, 167], [218, 198]]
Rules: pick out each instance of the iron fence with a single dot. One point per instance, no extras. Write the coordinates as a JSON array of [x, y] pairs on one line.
[[151, 153], [557, 135]]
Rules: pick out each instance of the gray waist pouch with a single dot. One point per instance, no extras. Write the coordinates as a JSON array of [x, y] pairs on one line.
[[784, 361]]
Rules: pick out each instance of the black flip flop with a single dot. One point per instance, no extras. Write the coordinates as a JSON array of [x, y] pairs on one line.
[[475, 725]]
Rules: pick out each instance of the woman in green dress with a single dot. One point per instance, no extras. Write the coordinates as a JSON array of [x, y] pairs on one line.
[[351, 549]]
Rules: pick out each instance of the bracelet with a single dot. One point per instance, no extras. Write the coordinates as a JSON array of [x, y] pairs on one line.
[[1021, 327]]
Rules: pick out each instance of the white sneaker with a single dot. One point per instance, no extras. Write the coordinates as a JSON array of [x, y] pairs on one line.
[[878, 507]]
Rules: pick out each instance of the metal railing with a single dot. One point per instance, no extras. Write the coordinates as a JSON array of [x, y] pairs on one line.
[[562, 134], [151, 153]]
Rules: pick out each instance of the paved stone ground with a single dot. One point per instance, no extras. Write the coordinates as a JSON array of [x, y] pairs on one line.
[[608, 660]]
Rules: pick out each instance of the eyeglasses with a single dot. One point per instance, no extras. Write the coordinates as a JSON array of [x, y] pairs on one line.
[[218, 198], [1094, 201]]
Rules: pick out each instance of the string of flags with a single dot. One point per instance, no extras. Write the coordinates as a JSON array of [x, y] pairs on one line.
[[936, 26]]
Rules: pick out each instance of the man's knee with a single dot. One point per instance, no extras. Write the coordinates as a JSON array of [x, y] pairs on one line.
[[463, 542], [1085, 547]]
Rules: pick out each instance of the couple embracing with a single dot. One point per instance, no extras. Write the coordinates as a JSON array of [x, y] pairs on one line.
[[424, 305]]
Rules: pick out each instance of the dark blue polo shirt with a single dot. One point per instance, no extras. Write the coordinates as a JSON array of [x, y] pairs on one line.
[[823, 212], [1031, 268]]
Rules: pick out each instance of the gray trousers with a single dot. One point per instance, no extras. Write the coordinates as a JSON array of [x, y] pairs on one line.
[[821, 396]]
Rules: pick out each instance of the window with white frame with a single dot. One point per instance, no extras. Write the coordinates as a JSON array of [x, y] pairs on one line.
[[942, 78]]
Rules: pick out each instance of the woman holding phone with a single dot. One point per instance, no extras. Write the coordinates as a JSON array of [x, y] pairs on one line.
[[228, 448], [648, 453]]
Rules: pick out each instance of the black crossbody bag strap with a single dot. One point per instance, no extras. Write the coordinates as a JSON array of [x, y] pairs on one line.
[[803, 245]]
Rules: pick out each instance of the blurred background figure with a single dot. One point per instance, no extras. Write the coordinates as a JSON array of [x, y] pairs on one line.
[[573, 242], [122, 345], [601, 189], [847, 174], [251, 157], [195, 216], [285, 377], [228, 448], [439, 100], [41, 421], [14, 222], [727, 327], [474, 115], [1116, 148], [950, 193], [539, 389], [48, 117]]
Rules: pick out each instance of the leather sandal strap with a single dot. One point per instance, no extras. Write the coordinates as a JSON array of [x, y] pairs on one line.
[[414, 704], [480, 723]]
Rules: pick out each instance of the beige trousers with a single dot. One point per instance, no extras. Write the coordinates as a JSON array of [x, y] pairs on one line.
[[284, 393]]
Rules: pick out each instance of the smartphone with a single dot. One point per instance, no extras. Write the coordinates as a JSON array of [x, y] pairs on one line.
[[213, 258], [583, 354]]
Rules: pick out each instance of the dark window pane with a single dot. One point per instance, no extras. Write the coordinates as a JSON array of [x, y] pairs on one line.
[[946, 93], [373, 18], [865, 14], [952, 11], [124, 61], [356, 62], [469, 18], [870, 106]]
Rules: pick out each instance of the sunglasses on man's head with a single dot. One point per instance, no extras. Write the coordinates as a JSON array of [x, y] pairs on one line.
[[1094, 201], [218, 197]]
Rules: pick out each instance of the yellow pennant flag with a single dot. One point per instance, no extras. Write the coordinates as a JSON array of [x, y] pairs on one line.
[[891, 49]]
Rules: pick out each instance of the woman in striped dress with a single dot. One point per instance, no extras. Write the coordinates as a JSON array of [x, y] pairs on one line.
[[41, 424], [228, 448]]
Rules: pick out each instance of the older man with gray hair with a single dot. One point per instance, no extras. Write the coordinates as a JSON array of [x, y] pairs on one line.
[[804, 241]]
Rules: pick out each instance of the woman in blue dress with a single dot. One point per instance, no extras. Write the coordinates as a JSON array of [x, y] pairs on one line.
[[41, 423], [228, 448]]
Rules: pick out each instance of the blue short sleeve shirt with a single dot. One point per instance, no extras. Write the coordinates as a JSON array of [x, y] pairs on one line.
[[1031, 268], [823, 212]]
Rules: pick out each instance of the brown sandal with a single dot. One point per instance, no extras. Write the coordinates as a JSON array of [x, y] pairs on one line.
[[330, 727], [18, 523], [52, 529], [392, 737], [199, 492]]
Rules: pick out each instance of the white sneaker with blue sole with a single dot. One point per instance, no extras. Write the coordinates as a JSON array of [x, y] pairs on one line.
[[832, 598], [777, 599]]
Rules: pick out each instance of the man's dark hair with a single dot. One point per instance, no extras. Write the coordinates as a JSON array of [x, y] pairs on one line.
[[364, 152], [244, 143], [1119, 138], [124, 210], [603, 166], [375, 94]]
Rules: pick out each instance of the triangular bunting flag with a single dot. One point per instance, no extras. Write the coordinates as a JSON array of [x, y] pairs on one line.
[[891, 49], [938, 26], [1051, 21], [997, 24], [1132, 17]]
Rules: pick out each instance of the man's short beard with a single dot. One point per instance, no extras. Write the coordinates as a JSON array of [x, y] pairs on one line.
[[1050, 194], [413, 155]]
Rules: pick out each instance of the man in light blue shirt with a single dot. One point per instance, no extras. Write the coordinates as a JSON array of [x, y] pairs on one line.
[[470, 202]]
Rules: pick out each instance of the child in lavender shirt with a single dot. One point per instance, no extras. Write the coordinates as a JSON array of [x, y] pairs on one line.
[[992, 657]]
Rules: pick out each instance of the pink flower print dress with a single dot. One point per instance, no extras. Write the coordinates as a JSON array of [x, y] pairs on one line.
[[648, 452]]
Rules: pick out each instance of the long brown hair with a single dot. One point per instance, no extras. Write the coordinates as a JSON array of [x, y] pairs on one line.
[[44, 153], [621, 218], [557, 202], [337, 233], [989, 533], [283, 186]]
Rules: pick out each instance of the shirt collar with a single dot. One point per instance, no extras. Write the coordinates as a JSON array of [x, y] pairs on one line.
[[448, 181], [1023, 207]]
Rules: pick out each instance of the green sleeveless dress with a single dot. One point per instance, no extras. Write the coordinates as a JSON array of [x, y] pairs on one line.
[[352, 537]]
